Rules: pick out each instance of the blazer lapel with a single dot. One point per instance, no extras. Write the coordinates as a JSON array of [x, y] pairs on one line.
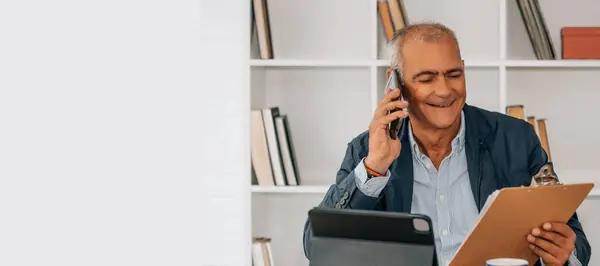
[[474, 166], [399, 189], [476, 129]]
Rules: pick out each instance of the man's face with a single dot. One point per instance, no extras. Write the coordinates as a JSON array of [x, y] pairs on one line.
[[434, 75]]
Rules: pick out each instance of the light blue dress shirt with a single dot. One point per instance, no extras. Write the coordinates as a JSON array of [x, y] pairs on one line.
[[444, 195]]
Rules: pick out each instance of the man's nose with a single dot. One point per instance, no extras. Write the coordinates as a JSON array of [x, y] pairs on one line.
[[443, 87]]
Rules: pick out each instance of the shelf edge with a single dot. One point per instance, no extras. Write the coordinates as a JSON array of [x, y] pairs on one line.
[[595, 193], [290, 189], [552, 63]]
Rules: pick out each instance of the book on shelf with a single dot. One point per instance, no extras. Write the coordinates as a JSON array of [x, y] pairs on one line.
[[252, 21], [273, 155], [535, 24], [260, 19], [386, 21], [531, 120], [393, 16], [516, 111], [543, 134], [262, 254]]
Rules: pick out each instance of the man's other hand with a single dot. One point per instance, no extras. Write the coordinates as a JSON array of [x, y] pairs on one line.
[[553, 243]]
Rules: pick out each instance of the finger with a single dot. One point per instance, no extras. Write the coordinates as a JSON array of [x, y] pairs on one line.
[[547, 246], [560, 228], [383, 121], [383, 110], [553, 237], [547, 257], [389, 96]]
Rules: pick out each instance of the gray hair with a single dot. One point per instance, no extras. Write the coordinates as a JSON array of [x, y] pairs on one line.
[[424, 31]]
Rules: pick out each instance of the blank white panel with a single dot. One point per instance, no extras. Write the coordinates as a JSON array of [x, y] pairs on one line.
[[326, 107], [477, 31], [557, 14], [259, 213], [568, 100], [482, 86], [282, 216], [316, 29], [258, 90]]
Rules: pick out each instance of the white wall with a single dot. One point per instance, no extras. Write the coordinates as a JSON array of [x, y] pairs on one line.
[[224, 115], [110, 113]]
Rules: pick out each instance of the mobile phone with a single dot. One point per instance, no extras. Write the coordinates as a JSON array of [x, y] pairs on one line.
[[395, 82]]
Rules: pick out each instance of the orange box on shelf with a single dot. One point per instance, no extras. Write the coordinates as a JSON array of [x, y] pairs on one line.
[[580, 42]]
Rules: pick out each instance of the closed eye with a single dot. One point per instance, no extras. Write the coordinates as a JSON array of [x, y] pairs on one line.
[[426, 78], [454, 73]]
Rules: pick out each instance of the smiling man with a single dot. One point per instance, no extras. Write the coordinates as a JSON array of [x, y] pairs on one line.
[[449, 156]]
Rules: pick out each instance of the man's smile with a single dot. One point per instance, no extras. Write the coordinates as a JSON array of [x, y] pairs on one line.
[[442, 104]]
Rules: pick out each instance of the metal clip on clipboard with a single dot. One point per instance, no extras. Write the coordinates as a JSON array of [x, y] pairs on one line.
[[545, 176]]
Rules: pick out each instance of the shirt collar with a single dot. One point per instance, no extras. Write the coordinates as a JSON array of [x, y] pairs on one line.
[[458, 143]]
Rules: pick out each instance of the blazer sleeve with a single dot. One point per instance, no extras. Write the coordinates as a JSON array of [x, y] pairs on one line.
[[537, 159], [344, 193]]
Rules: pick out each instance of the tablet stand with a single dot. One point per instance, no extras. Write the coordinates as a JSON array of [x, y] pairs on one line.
[[355, 252]]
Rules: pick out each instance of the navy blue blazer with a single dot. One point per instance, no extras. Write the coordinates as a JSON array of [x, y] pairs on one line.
[[502, 151]]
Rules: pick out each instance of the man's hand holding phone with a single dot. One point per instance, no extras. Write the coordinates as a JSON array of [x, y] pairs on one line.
[[383, 150]]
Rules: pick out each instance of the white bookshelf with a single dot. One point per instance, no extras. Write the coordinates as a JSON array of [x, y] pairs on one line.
[[329, 69], [311, 63], [291, 189], [573, 64]]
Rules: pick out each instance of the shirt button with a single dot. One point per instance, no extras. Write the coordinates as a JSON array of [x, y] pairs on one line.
[[442, 197], [445, 232]]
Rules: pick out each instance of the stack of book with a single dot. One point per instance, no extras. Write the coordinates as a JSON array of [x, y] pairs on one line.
[[393, 16], [273, 156], [536, 28], [539, 124]]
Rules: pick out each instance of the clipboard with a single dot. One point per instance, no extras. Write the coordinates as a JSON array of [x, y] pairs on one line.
[[509, 215]]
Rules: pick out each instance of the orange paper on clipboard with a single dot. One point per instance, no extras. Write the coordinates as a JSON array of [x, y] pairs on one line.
[[509, 215]]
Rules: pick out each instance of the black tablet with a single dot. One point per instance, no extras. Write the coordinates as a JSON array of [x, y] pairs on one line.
[[373, 237]]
